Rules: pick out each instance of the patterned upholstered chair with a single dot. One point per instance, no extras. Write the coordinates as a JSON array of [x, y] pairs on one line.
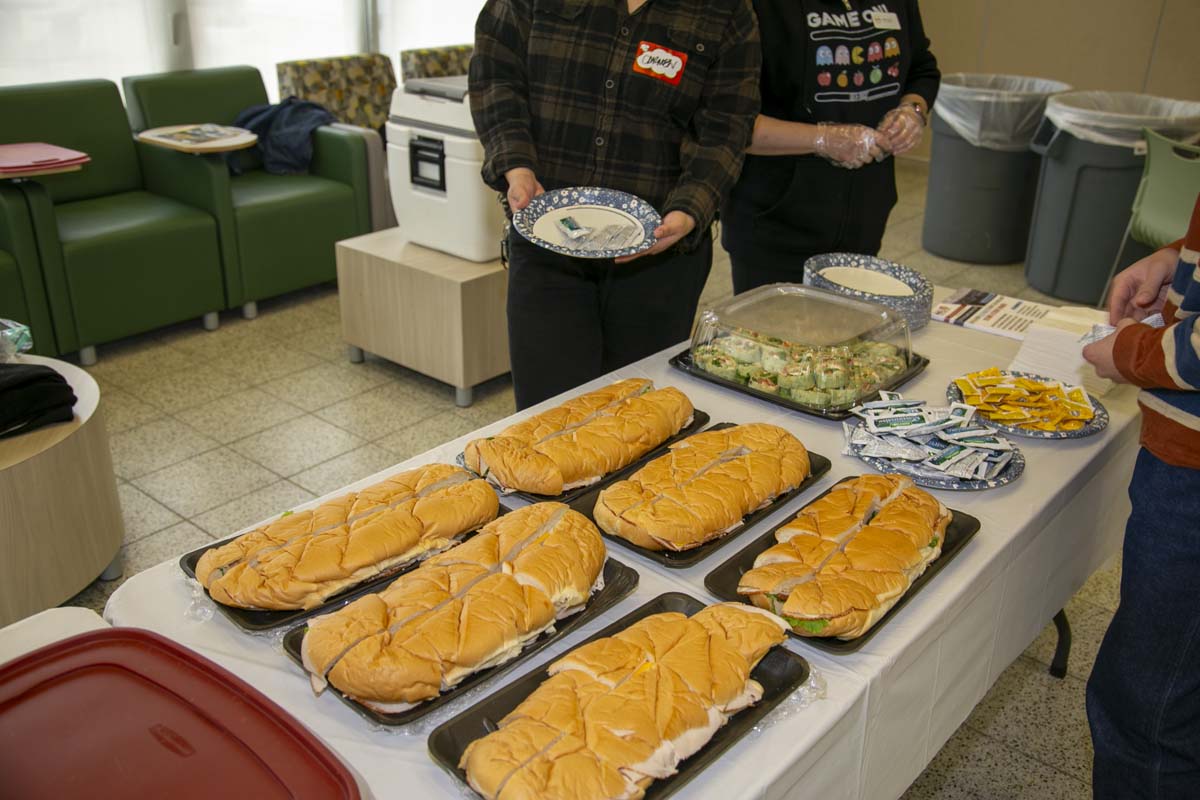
[[356, 89], [435, 62]]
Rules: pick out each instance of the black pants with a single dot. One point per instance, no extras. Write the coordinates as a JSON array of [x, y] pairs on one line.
[[573, 319], [760, 266]]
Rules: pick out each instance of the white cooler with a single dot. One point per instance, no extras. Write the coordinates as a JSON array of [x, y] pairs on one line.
[[434, 158]]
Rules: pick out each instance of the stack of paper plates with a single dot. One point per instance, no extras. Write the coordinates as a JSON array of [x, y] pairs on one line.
[[875, 280]]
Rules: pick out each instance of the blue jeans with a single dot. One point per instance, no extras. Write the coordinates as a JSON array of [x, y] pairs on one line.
[[1143, 697]]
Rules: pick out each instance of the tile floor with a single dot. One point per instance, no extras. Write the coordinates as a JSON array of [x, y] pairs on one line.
[[212, 431]]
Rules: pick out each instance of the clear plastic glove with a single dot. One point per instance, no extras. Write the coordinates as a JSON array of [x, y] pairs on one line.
[[902, 129], [849, 146]]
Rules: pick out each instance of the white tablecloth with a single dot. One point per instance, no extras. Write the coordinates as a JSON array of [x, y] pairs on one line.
[[889, 707]]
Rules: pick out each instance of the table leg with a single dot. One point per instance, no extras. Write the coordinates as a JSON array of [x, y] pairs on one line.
[[1062, 652], [87, 356], [463, 397], [355, 354], [212, 320], [115, 568], [249, 309]]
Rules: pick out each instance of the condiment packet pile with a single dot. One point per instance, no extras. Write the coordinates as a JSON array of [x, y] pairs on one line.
[[1026, 403], [928, 442]]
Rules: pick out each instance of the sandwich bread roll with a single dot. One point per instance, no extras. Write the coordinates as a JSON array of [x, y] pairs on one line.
[[581, 441], [703, 487], [848, 557], [472, 607], [622, 711], [302, 559]]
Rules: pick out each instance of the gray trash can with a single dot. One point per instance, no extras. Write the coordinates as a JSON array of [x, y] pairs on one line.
[[983, 176], [1091, 167]]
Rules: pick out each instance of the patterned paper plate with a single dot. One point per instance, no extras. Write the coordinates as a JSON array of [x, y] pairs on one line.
[[613, 223], [1097, 423], [916, 307], [1012, 470]]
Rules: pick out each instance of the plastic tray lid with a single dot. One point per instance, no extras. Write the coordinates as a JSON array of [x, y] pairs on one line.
[[127, 713], [803, 315]]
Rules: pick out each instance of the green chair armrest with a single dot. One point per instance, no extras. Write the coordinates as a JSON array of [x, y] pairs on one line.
[[341, 155], [200, 181], [54, 274], [17, 237]]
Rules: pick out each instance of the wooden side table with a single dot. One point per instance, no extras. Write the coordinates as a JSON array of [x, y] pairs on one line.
[[431, 312], [60, 518]]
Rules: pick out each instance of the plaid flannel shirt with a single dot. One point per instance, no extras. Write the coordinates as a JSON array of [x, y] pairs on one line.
[[660, 103]]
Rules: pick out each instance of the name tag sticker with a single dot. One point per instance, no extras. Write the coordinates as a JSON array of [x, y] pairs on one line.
[[886, 20], [660, 62]]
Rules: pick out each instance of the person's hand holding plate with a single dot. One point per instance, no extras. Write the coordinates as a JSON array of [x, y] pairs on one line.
[[675, 226]]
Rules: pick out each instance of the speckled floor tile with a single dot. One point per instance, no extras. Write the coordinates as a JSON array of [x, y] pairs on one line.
[[123, 411], [234, 335], [133, 361], [187, 388], [238, 415], [900, 239], [904, 212], [493, 400], [1104, 587], [142, 514], [378, 412], [415, 384], [323, 385], [1006, 279], [282, 321], [155, 445], [345, 469], [975, 766], [297, 444], [206, 481], [269, 501], [165, 545], [268, 361], [429, 433], [937, 269], [96, 595], [1088, 625], [324, 342], [1039, 715]]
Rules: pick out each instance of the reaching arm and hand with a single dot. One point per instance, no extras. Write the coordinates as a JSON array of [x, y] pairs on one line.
[[1140, 291], [902, 128], [843, 144]]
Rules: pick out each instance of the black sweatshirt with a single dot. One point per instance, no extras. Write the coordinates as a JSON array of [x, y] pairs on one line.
[[822, 63]]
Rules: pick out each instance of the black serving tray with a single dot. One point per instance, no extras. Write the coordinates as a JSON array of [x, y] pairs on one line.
[[586, 505], [683, 361], [619, 581], [780, 672], [699, 420], [723, 581], [254, 621]]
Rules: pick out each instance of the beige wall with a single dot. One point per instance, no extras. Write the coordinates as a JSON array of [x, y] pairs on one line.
[[1145, 46]]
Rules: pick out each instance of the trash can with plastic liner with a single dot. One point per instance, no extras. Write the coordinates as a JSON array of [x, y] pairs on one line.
[[983, 176], [1091, 167]]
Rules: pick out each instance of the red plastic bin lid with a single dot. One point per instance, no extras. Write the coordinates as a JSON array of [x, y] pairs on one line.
[[128, 713]]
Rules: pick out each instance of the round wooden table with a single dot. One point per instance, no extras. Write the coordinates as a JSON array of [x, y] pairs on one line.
[[60, 518]]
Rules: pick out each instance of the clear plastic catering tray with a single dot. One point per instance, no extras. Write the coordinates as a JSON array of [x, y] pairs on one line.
[[805, 348]]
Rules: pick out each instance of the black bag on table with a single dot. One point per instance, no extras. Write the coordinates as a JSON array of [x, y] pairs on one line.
[[32, 396]]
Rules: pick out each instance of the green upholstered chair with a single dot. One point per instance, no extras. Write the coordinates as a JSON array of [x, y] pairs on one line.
[[277, 231], [120, 253], [22, 291]]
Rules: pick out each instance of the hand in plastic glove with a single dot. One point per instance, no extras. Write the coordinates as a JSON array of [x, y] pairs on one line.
[[1100, 354], [902, 129], [675, 226], [523, 186], [848, 146], [1141, 290]]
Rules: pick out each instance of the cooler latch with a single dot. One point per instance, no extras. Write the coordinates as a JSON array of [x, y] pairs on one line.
[[427, 162]]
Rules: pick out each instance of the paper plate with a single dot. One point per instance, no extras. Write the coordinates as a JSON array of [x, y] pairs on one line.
[[881, 281], [619, 223], [1097, 423], [1012, 470]]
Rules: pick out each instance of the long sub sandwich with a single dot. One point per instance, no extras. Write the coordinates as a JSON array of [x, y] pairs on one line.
[[581, 441], [847, 558], [302, 559], [469, 608], [622, 711], [703, 487]]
